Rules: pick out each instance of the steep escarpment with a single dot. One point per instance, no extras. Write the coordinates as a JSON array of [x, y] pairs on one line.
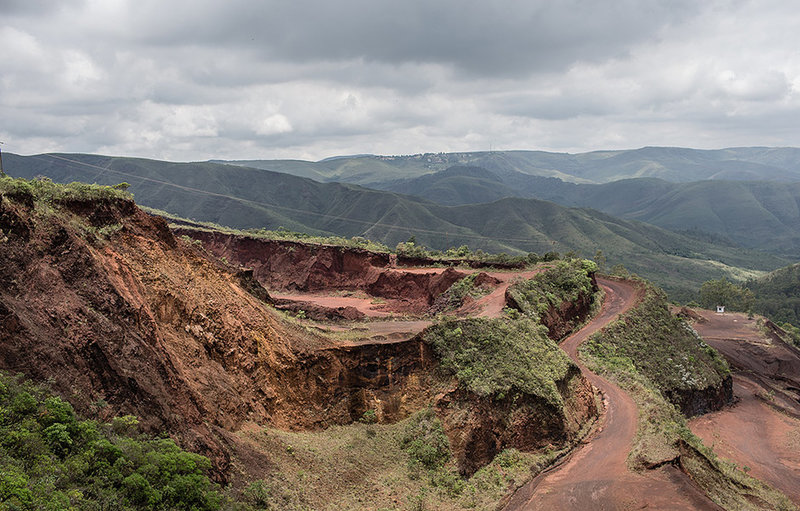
[[102, 301]]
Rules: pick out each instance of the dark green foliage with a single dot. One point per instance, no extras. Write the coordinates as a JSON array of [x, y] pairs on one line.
[[500, 357], [722, 292], [662, 347], [51, 459], [425, 441], [565, 281], [777, 295]]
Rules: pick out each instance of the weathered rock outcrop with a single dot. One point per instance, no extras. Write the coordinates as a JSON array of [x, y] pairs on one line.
[[480, 427], [693, 402]]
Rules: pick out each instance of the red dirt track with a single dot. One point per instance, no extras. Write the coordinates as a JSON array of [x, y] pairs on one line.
[[381, 327], [596, 477], [762, 430]]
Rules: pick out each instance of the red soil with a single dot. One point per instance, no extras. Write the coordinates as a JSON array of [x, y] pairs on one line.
[[762, 431], [382, 312], [596, 476]]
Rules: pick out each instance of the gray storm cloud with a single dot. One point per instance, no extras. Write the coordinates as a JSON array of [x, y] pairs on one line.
[[239, 79]]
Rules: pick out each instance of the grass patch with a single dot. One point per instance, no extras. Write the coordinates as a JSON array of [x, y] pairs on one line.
[[44, 189], [366, 466], [564, 281], [500, 357]]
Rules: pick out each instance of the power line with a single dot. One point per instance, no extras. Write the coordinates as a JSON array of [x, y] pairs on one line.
[[284, 208]]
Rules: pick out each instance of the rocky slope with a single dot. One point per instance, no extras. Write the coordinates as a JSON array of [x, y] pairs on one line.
[[103, 302]]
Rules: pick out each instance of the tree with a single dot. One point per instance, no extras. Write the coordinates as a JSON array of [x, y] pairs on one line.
[[722, 292]]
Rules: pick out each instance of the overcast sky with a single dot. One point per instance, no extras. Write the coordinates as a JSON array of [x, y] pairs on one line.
[[194, 80]]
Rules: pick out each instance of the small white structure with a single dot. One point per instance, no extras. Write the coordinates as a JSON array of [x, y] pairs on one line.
[[720, 309]]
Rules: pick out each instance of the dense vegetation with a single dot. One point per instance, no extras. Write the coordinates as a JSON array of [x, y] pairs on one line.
[[722, 292], [777, 295], [565, 281], [500, 357], [52, 459], [660, 346]]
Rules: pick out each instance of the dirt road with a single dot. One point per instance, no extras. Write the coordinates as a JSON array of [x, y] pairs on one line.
[[596, 476], [385, 320], [762, 430]]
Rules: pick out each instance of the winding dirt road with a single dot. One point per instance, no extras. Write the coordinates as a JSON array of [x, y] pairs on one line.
[[596, 477]]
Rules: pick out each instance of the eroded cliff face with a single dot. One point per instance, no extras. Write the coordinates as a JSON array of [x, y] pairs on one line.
[[294, 266], [102, 301], [480, 427], [692, 402], [99, 299]]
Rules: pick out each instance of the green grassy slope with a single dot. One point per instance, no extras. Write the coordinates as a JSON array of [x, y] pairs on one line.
[[244, 197], [754, 214]]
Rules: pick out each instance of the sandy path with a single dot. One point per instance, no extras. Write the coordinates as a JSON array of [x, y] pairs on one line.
[[382, 330], [754, 433], [596, 477]]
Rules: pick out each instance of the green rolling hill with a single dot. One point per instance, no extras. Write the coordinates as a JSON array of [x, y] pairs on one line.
[[668, 163], [778, 294], [244, 197], [754, 214]]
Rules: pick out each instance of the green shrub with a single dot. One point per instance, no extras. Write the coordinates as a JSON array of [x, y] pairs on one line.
[[563, 282], [52, 459], [500, 357], [425, 441]]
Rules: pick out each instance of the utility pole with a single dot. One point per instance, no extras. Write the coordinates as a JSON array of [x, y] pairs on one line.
[[2, 173]]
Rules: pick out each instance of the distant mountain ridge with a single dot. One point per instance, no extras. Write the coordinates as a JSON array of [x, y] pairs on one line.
[[243, 197], [754, 214], [668, 163]]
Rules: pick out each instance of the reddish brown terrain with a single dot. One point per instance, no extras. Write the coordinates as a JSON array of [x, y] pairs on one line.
[[596, 476], [388, 308], [103, 302], [119, 315], [762, 430]]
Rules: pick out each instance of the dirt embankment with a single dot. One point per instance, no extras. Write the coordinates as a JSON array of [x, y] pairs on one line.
[[290, 267], [480, 427], [104, 302], [762, 430]]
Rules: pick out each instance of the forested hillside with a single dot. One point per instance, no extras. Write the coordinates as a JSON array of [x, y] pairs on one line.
[[244, 197]]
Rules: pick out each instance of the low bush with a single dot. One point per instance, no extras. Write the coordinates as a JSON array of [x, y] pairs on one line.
[[500, 357]]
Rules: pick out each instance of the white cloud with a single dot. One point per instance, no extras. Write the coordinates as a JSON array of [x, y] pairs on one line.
[[315, 79]]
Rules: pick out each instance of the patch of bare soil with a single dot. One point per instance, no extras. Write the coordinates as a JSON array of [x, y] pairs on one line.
[[762, 430], [596, 475]]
